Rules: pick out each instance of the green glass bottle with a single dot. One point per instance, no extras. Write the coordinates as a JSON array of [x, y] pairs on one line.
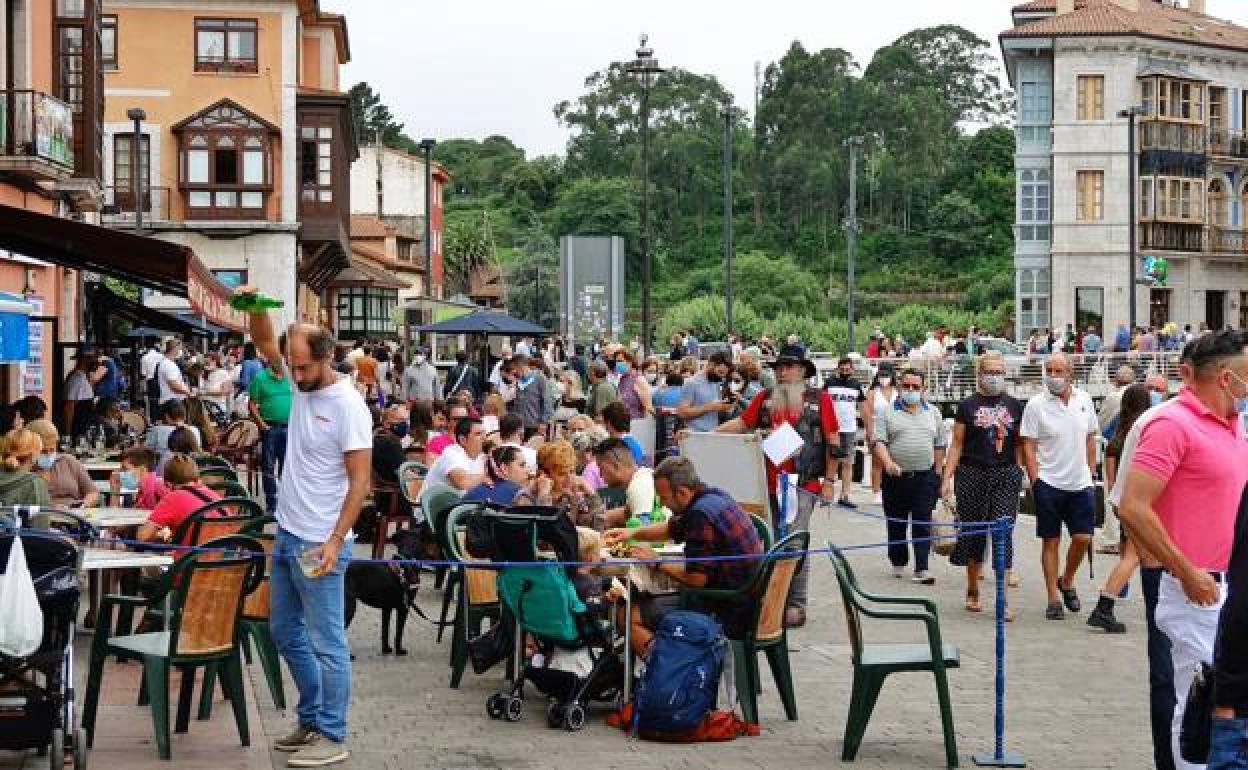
[[255, 302], [633, 523], [657, 515]]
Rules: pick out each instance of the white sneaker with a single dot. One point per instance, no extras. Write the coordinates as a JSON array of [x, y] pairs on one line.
[[878, 498], [899, 572], [923, 577]]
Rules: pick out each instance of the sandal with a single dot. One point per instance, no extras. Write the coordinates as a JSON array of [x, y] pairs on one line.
[[972, 602], [1009, 614]]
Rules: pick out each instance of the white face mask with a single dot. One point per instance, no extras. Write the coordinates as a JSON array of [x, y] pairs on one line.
[[418, 360]]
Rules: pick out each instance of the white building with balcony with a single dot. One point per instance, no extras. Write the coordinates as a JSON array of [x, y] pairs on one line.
[[1076, 65]]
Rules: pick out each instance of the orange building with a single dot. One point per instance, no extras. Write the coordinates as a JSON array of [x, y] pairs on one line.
[[245, 142], [49, 164]]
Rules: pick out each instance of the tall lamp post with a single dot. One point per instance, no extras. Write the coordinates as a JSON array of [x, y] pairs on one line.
[[647, 70], [137, 115], [426, 150], [854, 143], [1131, 113], [729, 114]]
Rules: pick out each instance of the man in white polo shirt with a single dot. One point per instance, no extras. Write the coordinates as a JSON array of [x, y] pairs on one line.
[[1059, 449]]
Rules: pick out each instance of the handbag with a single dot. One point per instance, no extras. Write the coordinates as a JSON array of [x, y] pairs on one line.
[[22, 630], [488, 649], [1197, 727], [943, 532]]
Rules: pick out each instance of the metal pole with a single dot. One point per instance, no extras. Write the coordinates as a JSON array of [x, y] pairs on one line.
[[136, 158], [647, 332], [426, 145], [729, 115], [851, 237], [1131, 235]]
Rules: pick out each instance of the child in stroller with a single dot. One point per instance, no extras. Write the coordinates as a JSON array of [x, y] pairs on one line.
[[573, 660], [36, 691]]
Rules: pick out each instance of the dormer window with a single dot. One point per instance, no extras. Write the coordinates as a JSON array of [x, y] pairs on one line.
[[226, 163]]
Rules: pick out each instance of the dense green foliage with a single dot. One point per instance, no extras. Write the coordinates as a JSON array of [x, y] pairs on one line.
[[935, 198]]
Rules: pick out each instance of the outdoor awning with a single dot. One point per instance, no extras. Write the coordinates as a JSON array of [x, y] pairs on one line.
[[141, 315], [487, 323], [149, 262], [361, 273], [15, 314]]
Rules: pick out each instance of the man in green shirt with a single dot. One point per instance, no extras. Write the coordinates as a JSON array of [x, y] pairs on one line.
[[601, 391], [268, 400]]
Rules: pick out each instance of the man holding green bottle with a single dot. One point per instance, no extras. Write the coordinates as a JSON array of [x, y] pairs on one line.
[[324, 482]]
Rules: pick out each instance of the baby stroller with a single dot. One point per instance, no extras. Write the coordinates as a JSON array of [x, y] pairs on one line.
[[37, 691], [543, 601]]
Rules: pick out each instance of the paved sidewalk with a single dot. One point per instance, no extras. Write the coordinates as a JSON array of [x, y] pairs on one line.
[[1076, 698]]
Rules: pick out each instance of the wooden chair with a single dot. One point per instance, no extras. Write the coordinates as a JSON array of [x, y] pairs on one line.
[[239, 444], [255, 628], [206, 592], [874, 662], [476, 591], [766, 595], [388, 498]]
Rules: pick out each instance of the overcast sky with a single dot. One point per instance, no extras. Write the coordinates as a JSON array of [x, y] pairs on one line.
[[471, 68]]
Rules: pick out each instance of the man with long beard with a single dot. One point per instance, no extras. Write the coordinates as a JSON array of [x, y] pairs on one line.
[[811, 413]]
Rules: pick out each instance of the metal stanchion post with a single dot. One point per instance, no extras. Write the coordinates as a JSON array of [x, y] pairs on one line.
[[1002, 529]]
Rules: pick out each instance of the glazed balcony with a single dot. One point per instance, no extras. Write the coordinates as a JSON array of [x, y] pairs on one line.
[[36, 135]]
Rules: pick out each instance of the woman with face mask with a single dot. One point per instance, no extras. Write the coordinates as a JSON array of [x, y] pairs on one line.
[[881, 395], [69, 484], [635, 390], [19, 485], [984, 468]]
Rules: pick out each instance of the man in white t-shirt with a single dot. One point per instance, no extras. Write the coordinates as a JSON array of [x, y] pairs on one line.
[[620, 471], [169, 375], [149, 361], [324, 482], [462, 464], [1059, 448]]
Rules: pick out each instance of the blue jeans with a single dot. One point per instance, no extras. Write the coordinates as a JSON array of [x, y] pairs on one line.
[[1228, 745], [1160, 673], [272, 457], [306, 620]]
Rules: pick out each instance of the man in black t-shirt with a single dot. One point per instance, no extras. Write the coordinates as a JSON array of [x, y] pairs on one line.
[[850, 401], [983, 466]]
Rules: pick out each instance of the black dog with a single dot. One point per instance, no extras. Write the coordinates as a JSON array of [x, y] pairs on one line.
[[387, 587]]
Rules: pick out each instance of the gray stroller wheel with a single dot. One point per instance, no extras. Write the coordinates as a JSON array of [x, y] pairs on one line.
[[56, 750], [574, 717], [80, 749]]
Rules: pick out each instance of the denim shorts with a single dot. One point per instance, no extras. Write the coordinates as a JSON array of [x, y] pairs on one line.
[[1055, 507]]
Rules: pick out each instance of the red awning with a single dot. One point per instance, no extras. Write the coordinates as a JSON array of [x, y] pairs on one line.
[[149, 262]]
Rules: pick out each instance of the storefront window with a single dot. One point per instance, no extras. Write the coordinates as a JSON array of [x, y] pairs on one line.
[[366, 312]]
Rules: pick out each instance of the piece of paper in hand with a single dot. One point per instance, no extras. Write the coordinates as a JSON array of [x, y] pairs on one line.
[[490, 423], [790, 507], [783, 443]]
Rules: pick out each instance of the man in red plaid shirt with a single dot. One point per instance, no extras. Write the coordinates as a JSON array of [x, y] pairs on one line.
[[710, 523]]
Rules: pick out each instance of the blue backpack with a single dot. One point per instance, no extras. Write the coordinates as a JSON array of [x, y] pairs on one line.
[[681, 681]]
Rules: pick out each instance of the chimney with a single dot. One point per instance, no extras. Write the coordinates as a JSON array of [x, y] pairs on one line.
[[1065, 6], [1196, 6]]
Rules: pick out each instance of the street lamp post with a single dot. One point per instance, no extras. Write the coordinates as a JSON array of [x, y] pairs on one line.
[[1131, 113], [137, 115], [647, 69], [729, 114], [854, 143], [426, 149]]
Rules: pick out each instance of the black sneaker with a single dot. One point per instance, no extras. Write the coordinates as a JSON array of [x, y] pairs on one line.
[[1054, 611], [1104, 619], [847, 503], [1070, 598]]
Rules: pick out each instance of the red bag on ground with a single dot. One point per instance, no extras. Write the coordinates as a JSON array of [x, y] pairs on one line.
[[716, 727]]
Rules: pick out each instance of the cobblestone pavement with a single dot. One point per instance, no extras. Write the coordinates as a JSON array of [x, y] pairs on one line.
[[1076, 698]]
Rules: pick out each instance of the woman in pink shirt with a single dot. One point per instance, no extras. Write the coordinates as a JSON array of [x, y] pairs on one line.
[[188, 496]]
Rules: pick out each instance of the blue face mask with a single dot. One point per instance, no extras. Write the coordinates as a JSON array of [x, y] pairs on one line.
[[129, 480], [911, 397], [45, 462], [399, 429], [621, 368], [1155, 398]]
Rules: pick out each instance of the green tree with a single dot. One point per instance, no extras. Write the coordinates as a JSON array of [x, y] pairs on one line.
[[533, 278], [467, 248], [369, 116]]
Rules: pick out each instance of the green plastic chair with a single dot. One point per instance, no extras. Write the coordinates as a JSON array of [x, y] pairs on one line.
[[437, 502], [765, 594], [874, 662], [475, 590], [764, 530], [225, 487], [206, 593]]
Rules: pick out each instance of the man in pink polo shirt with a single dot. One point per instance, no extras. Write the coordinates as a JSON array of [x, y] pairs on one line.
[[1181, 498]]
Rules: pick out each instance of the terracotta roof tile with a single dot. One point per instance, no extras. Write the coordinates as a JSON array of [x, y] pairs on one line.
[[1103, 18], [367, 226]]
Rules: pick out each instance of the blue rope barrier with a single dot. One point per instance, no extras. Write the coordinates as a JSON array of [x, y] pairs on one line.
[[999, 757]]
